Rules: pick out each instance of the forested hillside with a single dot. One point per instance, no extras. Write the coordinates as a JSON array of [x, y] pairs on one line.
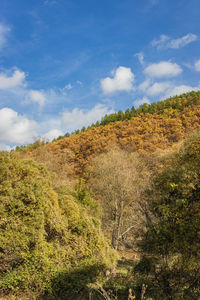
[[145, 132], [112, 212]]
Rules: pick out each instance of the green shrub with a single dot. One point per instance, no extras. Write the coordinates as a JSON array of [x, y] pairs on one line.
[[44, 232]]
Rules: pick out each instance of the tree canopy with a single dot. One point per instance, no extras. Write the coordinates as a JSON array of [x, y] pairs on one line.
[[45, 232]]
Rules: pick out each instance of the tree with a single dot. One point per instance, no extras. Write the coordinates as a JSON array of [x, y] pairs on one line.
[[117, 180], [172, 242], [46, 233]]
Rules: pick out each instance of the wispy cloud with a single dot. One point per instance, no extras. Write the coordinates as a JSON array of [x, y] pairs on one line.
[[140, 56], [161, 42], [197, 66], [4, 31], [166, 42], [68, 86], [50, 2]]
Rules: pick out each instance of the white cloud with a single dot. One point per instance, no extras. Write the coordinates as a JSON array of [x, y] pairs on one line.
[[181, 89], [4, 30], [68, 86], [166, 42], [78, 118], [158, 88], [79, 82], [122, 81], [15, 128], [139, 102], [4, 147], [163, 69], [183, 41], [165, 89], [140, 56], [161, 42], [37, 96], [52, 134], [69, 121], [197, 65], [144, 85], [15, 89], [16, 79]]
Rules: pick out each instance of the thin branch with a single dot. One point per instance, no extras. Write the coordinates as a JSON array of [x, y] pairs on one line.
[[126, 231]]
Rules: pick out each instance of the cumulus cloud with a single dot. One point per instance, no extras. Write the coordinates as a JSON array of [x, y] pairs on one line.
[[158, 88], [4, 30], [139, 102], [15, 128], [52, 134], [197, 65], [78, 118], [37, 96], [166, 42], [163, 69], [122, 81], [165, 89], [16, 79]]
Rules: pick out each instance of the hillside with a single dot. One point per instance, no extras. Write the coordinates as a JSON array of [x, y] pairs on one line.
[[145, 132], [109, 211]]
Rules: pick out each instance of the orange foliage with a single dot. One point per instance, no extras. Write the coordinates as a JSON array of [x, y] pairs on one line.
[[144, 133]]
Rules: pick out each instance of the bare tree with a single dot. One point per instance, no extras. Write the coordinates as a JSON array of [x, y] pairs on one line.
[[117, 179]]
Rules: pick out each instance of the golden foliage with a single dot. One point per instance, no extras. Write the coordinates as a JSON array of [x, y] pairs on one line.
[[145, 133]]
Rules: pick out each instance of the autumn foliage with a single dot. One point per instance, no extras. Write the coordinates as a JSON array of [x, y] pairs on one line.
[[144, 133]]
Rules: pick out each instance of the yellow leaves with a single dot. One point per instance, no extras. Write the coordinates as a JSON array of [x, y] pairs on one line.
[[145, 132], [191, 185]]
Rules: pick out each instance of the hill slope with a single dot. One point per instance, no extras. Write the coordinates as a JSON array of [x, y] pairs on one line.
[[144, 132]]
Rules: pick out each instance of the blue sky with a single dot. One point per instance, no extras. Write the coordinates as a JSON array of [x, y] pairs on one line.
[[65, 64]]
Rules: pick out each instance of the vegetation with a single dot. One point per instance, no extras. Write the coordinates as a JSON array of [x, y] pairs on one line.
[[69, 157], [117, 180], [172, 241], [48, 238], [177, 103], [128, 185]]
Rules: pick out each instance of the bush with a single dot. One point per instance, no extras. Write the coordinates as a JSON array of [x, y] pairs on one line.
[[44, 232]]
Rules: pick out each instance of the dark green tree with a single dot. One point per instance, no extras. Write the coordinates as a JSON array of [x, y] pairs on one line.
[[172, 242]]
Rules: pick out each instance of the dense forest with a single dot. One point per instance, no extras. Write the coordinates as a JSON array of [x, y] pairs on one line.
[[108, 212]]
